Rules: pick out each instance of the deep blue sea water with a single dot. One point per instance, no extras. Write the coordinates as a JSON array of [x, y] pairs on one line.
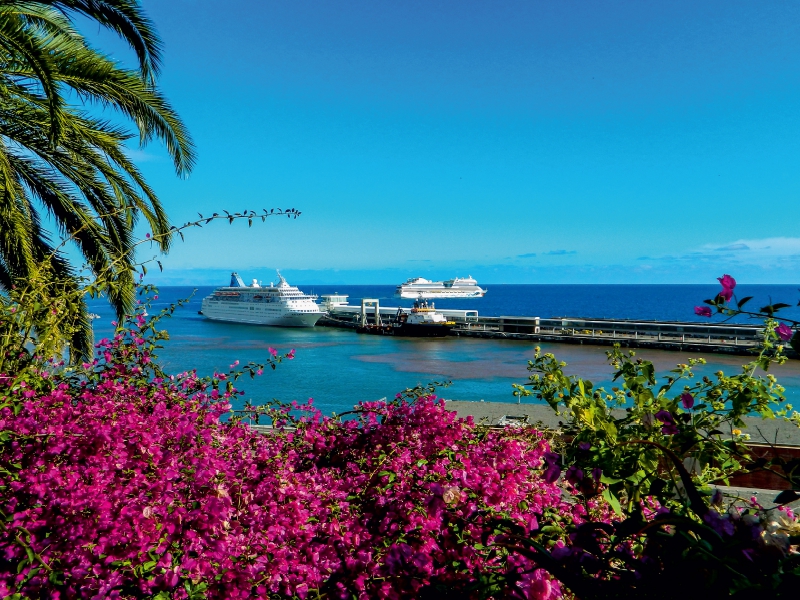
[[339, 367]]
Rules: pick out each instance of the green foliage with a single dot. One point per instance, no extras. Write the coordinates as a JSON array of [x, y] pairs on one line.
[[44, 314], [607, 426], [60, 160], [651, 448], [37, 319]]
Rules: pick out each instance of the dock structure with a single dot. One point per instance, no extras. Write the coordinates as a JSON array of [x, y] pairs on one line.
[[665, 335], [723, 338], [371, 312]]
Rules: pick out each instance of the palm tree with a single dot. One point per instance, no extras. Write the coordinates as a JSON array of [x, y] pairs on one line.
[[61, 160]]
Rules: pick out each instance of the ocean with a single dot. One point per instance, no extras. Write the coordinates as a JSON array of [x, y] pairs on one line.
[[338, 368]]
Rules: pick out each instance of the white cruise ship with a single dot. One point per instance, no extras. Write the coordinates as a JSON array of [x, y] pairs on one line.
[[460, 287], [281, 305]]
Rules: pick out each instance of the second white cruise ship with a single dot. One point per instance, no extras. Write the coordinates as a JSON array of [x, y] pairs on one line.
[[281, 305], [459, 287]]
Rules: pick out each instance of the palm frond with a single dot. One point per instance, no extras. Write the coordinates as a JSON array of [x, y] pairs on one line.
[[64, 161], [124, 17]]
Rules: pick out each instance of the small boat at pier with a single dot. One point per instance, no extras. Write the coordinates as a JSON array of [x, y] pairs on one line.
[[421, 321]]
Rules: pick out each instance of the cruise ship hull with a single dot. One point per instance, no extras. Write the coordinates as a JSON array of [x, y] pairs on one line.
[[434, 294], [279, 305], [420, 288], [285, 320]]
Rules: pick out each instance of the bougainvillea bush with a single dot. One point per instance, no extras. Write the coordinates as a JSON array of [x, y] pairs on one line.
[[120, 481]]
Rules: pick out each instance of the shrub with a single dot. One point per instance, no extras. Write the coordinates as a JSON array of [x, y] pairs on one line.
[[654, 449], [123, 482]]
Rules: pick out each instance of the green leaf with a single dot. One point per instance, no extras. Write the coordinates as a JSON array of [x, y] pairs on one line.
[[148, 566], [613, 501], [744, 301], [609, 480], [636, 478], [649, 371]]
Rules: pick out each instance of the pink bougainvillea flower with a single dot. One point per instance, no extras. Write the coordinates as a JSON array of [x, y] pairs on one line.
[[451, 495], [541, 589], [669, 427], [272, 351], [552, 468], [290, 356], [784, 332], [719, 523], [702, 311], [728, 283], [574, 475], [397, 557], [687, 400]]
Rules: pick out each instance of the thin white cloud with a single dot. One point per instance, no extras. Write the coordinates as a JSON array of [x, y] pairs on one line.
[[766, 253], [732, 247], [758, 248]]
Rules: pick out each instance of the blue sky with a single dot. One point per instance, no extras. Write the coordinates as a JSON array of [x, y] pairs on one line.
[[520, 142]]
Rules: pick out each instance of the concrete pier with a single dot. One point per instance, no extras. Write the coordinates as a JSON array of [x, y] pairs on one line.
[[662, 335]]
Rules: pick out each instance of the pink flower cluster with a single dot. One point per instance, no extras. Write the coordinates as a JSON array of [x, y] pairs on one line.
[[125, 486], [728, 284]]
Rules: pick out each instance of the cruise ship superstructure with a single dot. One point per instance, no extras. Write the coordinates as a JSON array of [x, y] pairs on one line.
[[280, 305], [459, 287]]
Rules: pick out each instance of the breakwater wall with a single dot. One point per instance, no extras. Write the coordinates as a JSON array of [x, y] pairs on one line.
[[662, 335]]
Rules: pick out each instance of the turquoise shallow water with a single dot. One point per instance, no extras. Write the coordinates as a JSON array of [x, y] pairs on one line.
[[338, 368]]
